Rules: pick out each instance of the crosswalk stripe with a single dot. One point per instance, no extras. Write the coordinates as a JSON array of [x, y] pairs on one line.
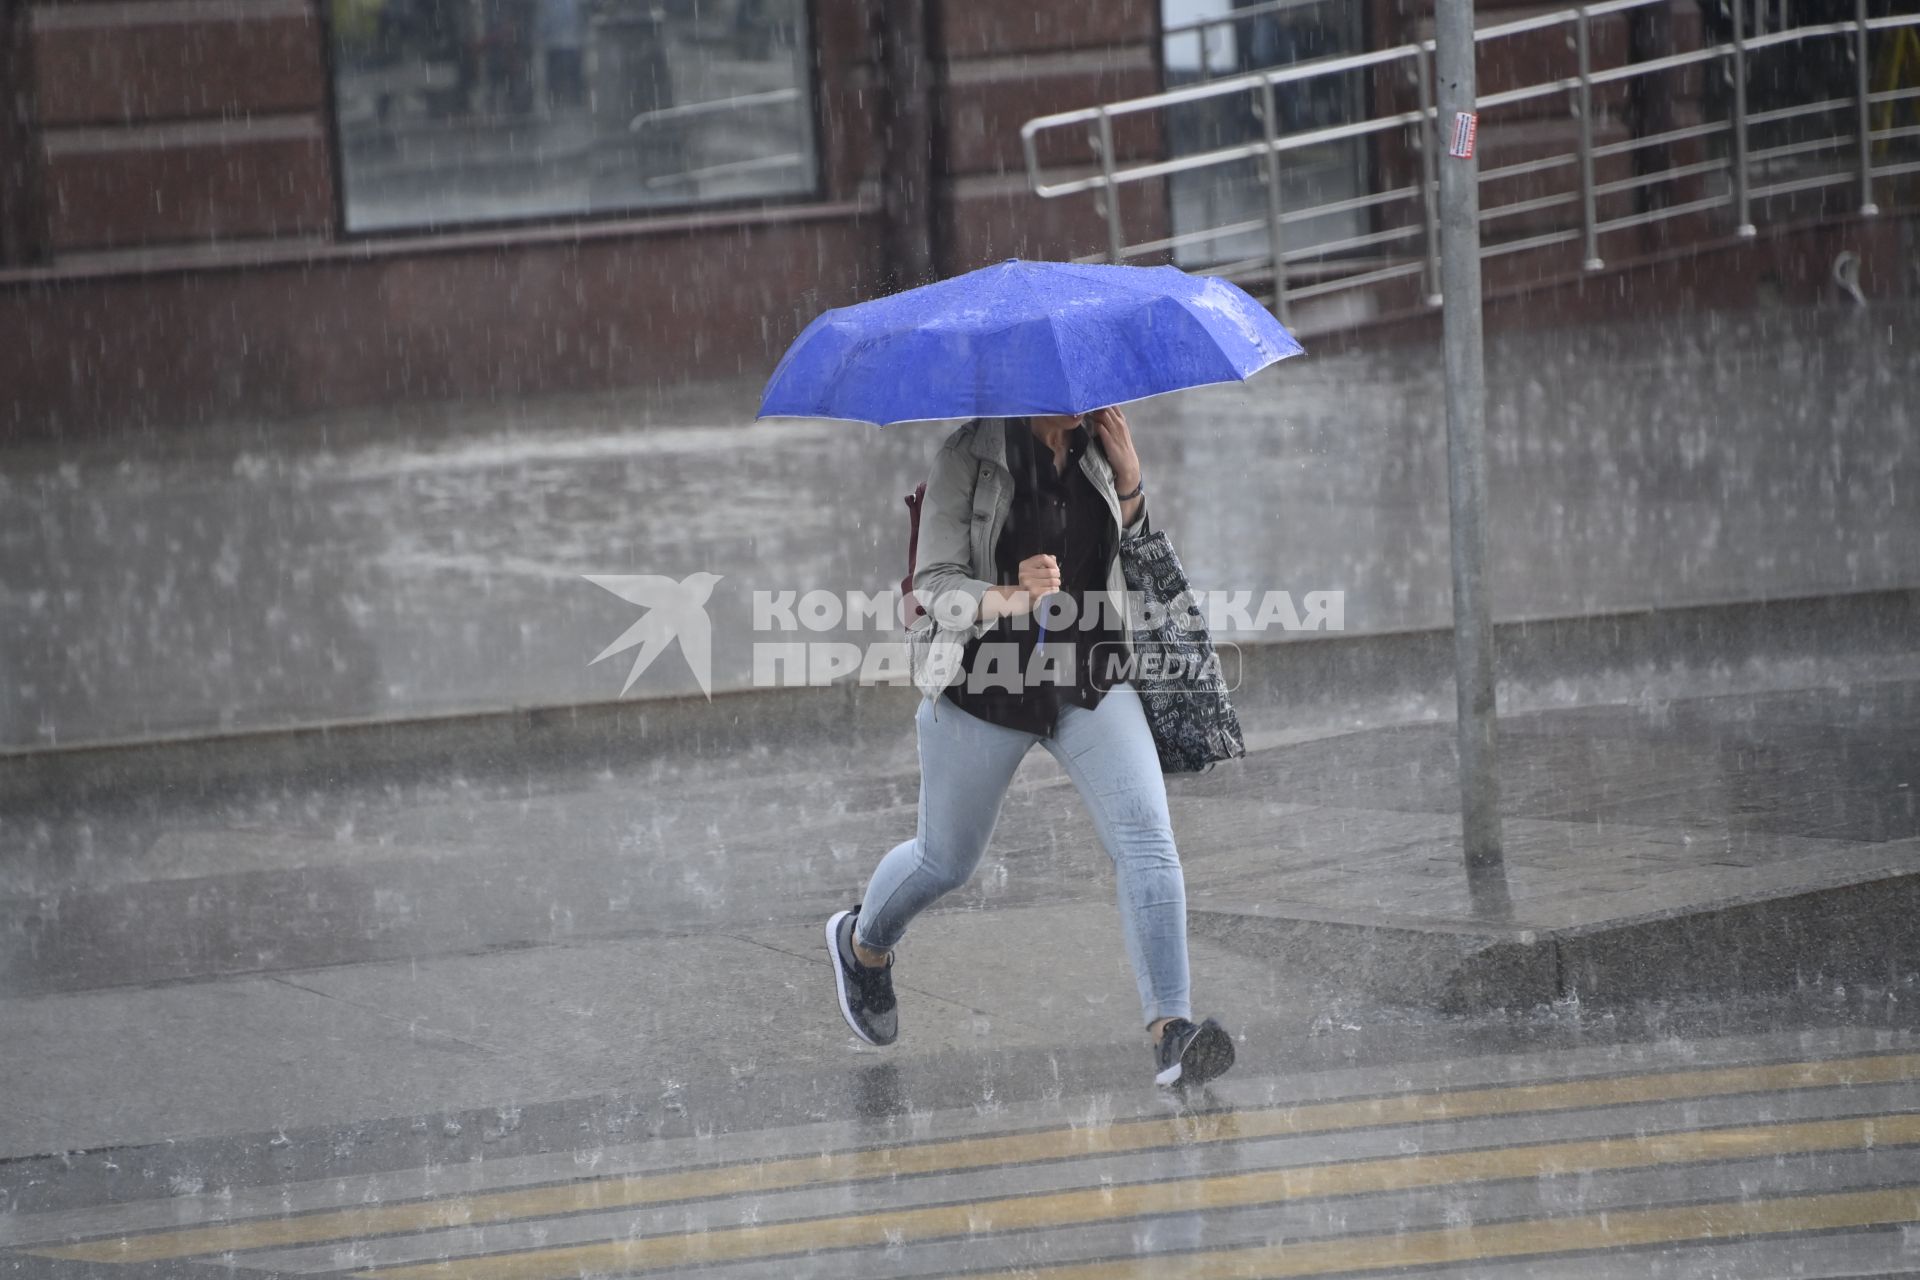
[[1539, 1237], [962, 1154], [1132, 1200]]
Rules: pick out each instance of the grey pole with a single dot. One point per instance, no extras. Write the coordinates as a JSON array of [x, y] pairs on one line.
[[1466, 458], [906, 188]]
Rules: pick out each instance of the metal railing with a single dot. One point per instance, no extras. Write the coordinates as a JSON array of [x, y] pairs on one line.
[[1405, 215], [713, 107]]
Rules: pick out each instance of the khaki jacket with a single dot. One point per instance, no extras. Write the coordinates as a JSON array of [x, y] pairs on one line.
[[968, 495]]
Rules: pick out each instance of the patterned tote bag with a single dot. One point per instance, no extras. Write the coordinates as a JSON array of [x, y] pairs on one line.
[[1177, 670]]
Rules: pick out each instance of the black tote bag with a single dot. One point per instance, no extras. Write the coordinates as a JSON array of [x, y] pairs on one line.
[[1176, 668]]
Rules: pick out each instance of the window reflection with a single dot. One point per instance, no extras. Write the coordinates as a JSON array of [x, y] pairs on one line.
[[1209, 40], [464, 111]]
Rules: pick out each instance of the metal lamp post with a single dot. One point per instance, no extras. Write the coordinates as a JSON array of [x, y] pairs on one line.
[[1466, 452]]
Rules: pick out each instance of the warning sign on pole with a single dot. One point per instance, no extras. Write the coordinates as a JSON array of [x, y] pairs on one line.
[[1465, 126]]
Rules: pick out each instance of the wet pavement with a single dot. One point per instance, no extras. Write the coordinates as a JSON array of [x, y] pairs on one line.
[[1613, 812], [1586, 1153], [564, 1010], [390, 565], [571, 1020]]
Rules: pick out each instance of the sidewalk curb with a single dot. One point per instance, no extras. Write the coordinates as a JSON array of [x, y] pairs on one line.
[[1314, 679], [1839, 934]]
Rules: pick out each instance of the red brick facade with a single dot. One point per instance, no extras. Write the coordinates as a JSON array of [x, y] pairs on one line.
[[170, 242], [177, 252]]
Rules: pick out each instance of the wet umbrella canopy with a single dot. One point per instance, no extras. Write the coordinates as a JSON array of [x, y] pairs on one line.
[[1023, 338]]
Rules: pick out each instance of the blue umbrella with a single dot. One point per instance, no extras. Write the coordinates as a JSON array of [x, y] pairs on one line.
[[1024, 338]]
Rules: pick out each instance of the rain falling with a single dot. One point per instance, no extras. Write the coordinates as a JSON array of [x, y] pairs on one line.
[[878, 638]]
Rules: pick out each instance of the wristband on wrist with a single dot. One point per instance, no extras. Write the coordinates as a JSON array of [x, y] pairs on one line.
[[1139, 488]]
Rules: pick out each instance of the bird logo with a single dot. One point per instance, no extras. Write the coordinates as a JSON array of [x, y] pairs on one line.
[[674, 610]]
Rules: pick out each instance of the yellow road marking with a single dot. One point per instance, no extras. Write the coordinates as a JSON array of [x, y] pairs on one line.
[[961, 1154], [1047, 1210], [1623, 1230]]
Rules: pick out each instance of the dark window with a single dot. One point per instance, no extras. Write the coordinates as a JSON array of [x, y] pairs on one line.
[[465, 111]]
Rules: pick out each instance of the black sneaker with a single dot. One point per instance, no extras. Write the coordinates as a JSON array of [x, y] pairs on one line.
[[866, 995], [1193, 1055]]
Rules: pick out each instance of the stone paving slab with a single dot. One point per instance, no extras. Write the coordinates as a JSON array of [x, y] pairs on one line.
[[1561, 875], [461, 922], [1787, 792], [652, 1017], [1740, 843], [1803, 1126], [622, 1143]]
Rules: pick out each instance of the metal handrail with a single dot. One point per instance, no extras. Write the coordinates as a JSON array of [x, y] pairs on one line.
[[1272, 145], [713, 106]]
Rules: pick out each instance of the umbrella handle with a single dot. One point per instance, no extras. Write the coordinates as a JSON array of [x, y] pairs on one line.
[[1033, 486]]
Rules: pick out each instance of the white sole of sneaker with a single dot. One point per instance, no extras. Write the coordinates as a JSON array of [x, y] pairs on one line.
[[840, 977]]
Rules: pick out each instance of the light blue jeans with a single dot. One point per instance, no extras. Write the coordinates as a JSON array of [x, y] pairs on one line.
[[966, 765]]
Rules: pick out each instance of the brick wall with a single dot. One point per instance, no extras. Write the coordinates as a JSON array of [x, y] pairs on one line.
[[171, 121], [1000, 63], [189, 263]]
